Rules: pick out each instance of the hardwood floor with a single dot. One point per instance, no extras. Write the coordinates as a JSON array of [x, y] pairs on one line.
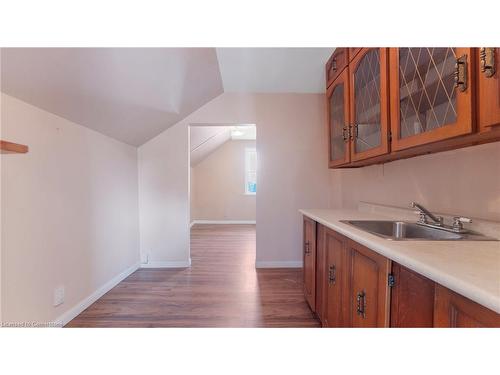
[[221, 289]]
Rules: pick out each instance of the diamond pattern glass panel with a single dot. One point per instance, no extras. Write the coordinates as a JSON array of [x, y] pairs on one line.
[[427, 98], [337, 122], [367, 101]]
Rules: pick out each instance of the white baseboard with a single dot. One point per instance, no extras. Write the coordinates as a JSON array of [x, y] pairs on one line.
[[85, 303], [168, 264], [222, 222], [278, 264]]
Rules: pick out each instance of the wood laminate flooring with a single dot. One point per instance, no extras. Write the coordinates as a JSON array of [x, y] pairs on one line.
[[222, 288]]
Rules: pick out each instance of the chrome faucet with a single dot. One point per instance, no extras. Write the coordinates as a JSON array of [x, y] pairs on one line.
[[425, 213], [438, 221]]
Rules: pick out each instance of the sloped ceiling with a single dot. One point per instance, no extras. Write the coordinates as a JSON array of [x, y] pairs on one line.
[[134, 94], [205, 139], [273, 70], [131, 94]]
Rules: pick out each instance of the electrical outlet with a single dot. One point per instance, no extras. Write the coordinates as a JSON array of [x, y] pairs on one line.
[[59, 293], [145, 258]]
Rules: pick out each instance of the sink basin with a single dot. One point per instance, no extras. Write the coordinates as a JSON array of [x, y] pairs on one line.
[[402, 230]]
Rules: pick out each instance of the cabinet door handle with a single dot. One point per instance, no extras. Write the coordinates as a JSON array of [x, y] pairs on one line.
[[361, 301], [345, 133], [307, 247], [461, 73], [353, 131], [332, 274], [487, 60], [333, 67]]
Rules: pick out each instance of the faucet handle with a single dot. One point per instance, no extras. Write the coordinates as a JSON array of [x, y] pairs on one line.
[[458, 222], [461, 219]]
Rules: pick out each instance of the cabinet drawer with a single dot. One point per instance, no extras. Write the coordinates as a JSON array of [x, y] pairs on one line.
[[336, 64]]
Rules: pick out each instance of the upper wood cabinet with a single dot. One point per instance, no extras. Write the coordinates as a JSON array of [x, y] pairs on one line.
[[369, 291], [369, 101], [488, 87], [405, 102], [309, 248], [353, 51], [338, 120], [431, 95], [336, 64]]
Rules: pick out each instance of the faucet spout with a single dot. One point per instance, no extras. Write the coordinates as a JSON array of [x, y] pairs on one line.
[[425, 213]]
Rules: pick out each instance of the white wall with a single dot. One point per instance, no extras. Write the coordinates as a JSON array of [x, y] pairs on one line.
[[69, 212], [292, 174], [462, 182], [164, 198], [218, 185]]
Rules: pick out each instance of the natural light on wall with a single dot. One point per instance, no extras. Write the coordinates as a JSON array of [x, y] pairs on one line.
[[250, 170]]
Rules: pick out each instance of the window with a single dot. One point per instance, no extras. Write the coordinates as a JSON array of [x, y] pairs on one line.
[[250, 171]]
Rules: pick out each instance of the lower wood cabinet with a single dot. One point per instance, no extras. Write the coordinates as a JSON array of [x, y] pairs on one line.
[[455, 311], [336, 312], [353, 289], [412, 299], [309, 260], [320, 270], [348, 285], [369, 293]]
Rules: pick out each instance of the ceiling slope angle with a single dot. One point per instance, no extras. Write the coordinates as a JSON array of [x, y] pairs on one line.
[[130, 94], [273, 70], [204, 140]]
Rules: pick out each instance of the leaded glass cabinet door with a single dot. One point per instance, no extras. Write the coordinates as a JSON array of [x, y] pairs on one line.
[[338, 120], [369, 104], [489, 87], [431, 96]]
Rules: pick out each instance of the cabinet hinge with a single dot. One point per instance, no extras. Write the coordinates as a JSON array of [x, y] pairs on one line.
[[390, 280]]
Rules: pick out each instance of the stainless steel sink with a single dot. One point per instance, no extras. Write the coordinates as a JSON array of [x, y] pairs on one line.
[[404, 231]]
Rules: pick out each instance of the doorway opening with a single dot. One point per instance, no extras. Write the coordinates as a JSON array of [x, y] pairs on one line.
[[223, 189]]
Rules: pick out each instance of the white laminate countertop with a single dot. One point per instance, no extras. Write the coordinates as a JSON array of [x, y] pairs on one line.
[[470, 268]]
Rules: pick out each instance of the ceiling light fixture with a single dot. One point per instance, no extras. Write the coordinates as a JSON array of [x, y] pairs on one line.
[[236, 132]]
